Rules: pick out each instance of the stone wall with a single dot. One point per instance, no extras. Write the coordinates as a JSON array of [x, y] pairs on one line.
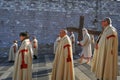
[[44, 18]]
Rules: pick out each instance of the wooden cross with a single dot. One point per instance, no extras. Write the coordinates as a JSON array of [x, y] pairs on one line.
[[79, 30]]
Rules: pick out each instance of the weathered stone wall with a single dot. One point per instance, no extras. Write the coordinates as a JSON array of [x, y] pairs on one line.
[[44, 18]]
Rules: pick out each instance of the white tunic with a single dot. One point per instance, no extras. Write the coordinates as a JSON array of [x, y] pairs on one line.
[[12, 52], [35, 46], [72, 38], [86, 44]]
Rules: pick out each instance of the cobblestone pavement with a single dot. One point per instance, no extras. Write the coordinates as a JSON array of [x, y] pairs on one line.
[[42, 68]]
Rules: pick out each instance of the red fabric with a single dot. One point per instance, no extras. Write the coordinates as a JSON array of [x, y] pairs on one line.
[[79, 44], [111, 36], [34, 47], [14, 49], [34, 44], [96, 46], [68, 47], [23, 65]]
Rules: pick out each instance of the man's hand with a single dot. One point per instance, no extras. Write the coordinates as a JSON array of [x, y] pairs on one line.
[[78, 42]]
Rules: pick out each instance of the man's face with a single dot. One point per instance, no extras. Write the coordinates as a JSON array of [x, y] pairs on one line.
[[22, 38], [62, 33], [104, 23]]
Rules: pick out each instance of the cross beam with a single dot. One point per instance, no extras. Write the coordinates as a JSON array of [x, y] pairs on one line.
[[79, 30]]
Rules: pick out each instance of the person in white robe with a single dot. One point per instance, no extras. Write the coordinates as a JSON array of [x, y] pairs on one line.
[[56, 43], [63, 68], [35, 47], [23, 62], [86, 46], [12, 51], [105, 58], [72, 38]]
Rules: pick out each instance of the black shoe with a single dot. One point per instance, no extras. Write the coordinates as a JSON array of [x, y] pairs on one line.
[[35, 57], [11, 61]]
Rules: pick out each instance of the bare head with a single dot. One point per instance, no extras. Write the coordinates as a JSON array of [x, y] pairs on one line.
[[106, 22], [63, 33]]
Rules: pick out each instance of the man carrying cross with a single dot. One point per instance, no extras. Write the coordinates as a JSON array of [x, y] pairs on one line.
[[86, 44], [63, 62], [23, 61]]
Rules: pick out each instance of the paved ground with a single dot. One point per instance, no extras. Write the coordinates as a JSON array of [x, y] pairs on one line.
[[42, 68]]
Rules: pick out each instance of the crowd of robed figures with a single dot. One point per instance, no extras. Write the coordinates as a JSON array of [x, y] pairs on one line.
[[104, 61]]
